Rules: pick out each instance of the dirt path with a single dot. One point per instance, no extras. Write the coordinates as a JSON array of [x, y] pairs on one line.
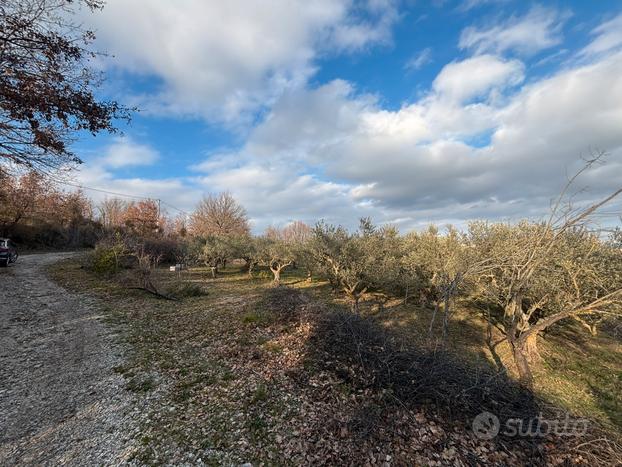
[[60, 400]]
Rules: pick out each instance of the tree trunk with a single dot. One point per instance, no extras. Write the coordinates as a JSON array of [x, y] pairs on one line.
[[522, 364], [214, 271], [431, 330], [446, 309], [531, 348], [277, 276]]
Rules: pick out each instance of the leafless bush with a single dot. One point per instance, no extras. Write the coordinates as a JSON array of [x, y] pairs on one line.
[[147, 263], [184, 289]]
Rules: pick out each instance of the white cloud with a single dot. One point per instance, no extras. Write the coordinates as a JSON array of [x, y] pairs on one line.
[[355, 33], [177, 192], [124, 152], [419, 60], [479, 143], [223, 59], [276, 195], [424, 162], [475, 76], [468, 5], [608, 37], [539, 29]]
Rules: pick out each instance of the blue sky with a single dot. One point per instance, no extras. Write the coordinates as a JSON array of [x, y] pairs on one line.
[[406, 111]]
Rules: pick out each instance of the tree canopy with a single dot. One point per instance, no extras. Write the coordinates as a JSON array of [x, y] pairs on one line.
[[47, 85]]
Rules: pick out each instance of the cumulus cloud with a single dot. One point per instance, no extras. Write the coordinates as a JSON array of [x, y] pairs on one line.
[[102, 180], [482, 142], [124, 152], [436, 159], [176, 192], [539, 29], [476, 76], [274, 194], [222, 60]]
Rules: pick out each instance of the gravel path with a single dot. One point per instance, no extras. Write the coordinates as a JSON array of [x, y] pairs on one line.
[[60, 400]]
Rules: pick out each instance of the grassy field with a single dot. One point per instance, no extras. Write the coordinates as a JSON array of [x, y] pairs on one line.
[[230, 384]]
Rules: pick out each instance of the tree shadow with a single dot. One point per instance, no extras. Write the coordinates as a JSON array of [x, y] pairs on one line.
[[378, 386], [367, 357]]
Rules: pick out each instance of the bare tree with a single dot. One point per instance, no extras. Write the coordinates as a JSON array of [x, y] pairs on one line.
[[111, 212], [46, 84], [297, 232], [219, 215], [21, 198]]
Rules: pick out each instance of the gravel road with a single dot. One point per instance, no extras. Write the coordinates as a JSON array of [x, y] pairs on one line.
[[61, 403]]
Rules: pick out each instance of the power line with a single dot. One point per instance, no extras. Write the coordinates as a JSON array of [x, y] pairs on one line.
[[176, 209], [100, 190]]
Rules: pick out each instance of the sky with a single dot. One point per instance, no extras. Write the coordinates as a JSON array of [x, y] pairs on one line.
[[408, 112]]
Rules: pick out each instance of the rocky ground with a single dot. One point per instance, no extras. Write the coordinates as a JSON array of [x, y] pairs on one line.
[[61, 402]]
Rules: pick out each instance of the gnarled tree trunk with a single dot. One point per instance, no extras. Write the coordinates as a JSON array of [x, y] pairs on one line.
[[531, 348], [277, 275], [521, 358]]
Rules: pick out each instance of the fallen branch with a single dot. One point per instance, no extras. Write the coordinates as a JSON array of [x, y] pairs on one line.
[[156, 293]]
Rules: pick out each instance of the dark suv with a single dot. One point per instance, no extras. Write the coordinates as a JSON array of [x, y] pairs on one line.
[[8, 252]]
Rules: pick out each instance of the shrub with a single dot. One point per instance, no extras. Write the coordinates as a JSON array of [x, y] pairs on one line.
[[168, 250], [107, 256], [183, 289], [103, 260]]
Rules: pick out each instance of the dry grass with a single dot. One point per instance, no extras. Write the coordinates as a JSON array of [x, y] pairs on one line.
[[232, 381]]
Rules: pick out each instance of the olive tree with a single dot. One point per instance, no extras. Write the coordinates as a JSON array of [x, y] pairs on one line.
[[441, 264], [213, 251], [276, 254], [542, 273], [244, 247], [354, 262]]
